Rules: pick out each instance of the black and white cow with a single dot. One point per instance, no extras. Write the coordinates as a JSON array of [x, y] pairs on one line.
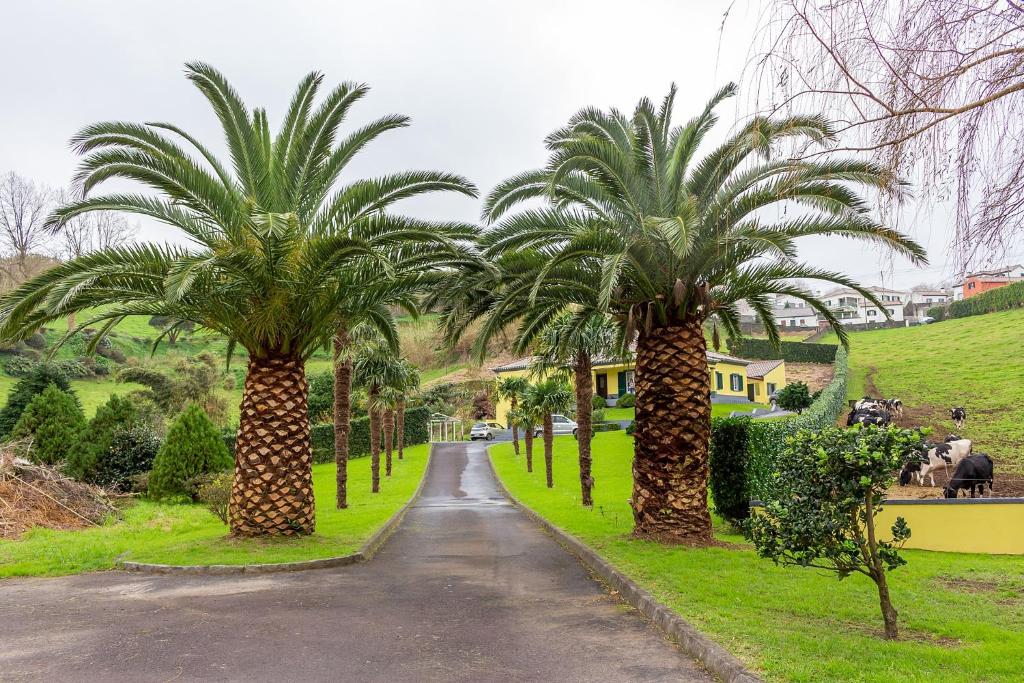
[[959, 416], [972, 473], [868, 417], [895, 407], [942, 455]]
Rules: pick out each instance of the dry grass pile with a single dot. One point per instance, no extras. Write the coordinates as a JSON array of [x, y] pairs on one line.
[[34, 495]]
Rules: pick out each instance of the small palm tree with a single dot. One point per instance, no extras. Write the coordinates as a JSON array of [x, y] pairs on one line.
[[573, 341], [522, 416], [639, 226], [387, 401], [375, 368], [544, 399], [279, 252], [410, 383], [513, 389]]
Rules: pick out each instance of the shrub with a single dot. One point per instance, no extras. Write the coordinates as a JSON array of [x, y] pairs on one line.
[[416, 430], [214, 491], [75, 369], [113, 353], [35, 382], [631, 428], [794, 396], [796, 352], [1002, 299], [193, 447], [116, 414], [194, 380], [131, 453], [321, 397], [598, 402], [937, 312], [54, 421], [607, 427], [597, 415], [831, 483], [20, 366], [36, 341], [728, 464], [482, 406], [626, 401]]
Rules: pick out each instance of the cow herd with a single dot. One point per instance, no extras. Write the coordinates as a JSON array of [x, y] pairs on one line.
[[970, 471]]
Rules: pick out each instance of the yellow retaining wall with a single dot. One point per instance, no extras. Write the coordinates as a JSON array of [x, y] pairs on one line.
[[994, 526]]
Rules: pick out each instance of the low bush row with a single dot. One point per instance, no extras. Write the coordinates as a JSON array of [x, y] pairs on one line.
[[794, 352], [1002, 299], [416, 430]]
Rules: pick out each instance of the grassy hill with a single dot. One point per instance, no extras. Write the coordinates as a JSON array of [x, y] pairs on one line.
[[975, 362]]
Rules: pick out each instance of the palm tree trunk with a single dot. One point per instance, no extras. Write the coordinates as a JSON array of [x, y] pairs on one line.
[[374, 438], [549, 439], [673, 429], [528, 438], [389, 438], [272, 492], [584, 423], [342, 413], [400, 425], [515, 428]]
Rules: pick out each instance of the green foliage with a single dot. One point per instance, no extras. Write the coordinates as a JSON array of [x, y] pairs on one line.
[[214, 491], [19, 366], [631, 428], [131, 453], [626, 401], [795, 396], [597, 415], [728, 464], [1002, 299], [937, 312], [117, 414], [796, 352], [54, 421], [321, 397], [607, 427], [830, 485], [38, 379], [598, 402], [191, 380], [193, 447], [36, 341], [416, 430]]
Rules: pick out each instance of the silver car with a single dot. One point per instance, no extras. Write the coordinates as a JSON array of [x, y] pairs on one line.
[[560, 425], [486, 431]]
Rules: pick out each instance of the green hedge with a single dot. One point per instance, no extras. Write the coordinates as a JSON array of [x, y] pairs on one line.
[[795, 352], [730, 491], [1002, 299]]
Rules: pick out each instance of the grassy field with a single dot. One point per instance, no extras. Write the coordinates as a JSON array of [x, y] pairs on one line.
[[717, 410], [190, 534], [962, 616], [974, 362]]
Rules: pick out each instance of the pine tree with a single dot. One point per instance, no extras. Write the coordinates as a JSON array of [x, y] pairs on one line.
[[193, 446], [54, 422], [116, 414], [33, 384]]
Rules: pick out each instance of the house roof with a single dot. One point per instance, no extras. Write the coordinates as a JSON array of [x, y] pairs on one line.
[[518, 364], [995, 272], [759, 368]]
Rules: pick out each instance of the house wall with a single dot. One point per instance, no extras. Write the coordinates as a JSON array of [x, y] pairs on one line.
[[776, 377], [979, 525], [973, 286], [503, 405], [726, 370]]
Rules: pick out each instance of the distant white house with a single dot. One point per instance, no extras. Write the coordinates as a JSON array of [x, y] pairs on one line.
[[921, 300], [796, 316], [854, 309]]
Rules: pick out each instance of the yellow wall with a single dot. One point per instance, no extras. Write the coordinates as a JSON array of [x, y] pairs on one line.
[[727, 369], [502, 407], [991, 527]]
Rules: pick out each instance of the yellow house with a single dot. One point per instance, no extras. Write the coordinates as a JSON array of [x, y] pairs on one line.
[[732, 378]]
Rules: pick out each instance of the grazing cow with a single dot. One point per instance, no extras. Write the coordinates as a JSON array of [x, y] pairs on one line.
[[942, 455], [868, 403], [868, 417], [972, 473], [959, 416], [895, 408]]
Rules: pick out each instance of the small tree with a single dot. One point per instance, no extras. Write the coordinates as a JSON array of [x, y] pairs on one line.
[[831, 484], [794, 396], [512, 388], [117, 414], [543, 400], [193, 447], [54, 421], [522, 416], [131, 453], [35, 382], [171, 328]]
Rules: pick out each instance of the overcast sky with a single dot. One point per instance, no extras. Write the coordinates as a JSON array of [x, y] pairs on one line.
[[483, 82]]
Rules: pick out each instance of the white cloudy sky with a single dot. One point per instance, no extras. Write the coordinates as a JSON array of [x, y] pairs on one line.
[[482, 81]]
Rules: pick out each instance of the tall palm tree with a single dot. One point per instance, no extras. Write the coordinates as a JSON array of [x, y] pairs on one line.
[[544, 399], [376, 368], [410, 382], [513, 389], [574, 340], [638, 226], [276, 244]]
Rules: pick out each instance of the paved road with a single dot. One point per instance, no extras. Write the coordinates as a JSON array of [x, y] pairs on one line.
[[468, 589]]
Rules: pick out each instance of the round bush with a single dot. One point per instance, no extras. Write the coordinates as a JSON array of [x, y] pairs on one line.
[[193, 447], [626, 401], [19, 366], [54, 421], [131, 453], [598, 402], [794, 396], [36, 341]]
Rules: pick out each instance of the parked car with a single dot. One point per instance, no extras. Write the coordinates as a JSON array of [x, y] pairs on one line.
[[927, 319], [560, 425], [486, 431]]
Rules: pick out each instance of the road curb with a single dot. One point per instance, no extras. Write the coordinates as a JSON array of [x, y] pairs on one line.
[[365, 553], [712, 656]]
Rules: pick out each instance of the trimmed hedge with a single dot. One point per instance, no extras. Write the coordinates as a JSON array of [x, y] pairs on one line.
[[1002, 299], [795, 352], [417, 430], [728, 464]]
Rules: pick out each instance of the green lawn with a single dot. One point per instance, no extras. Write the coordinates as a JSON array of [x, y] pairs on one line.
[[717, 410], [976, 362], [189, 534], [793, 624]]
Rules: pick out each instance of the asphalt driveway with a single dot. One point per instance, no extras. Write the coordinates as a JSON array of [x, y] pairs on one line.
[[468, 589]]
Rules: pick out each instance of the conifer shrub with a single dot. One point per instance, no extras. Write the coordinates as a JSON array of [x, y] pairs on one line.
[[117, 414], [53, 420], [131, 453], [194, 446], [35, 382]]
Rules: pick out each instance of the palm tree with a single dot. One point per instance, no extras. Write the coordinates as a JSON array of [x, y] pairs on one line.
[[544, 399], [513, 388], [376, 368], [522, 416], [410, 382], [574, 340], [640, 227], [387, 401], [275, 247]]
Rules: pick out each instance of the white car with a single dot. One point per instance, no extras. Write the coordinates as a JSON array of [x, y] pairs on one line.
[[486, 431], [560, 425]]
